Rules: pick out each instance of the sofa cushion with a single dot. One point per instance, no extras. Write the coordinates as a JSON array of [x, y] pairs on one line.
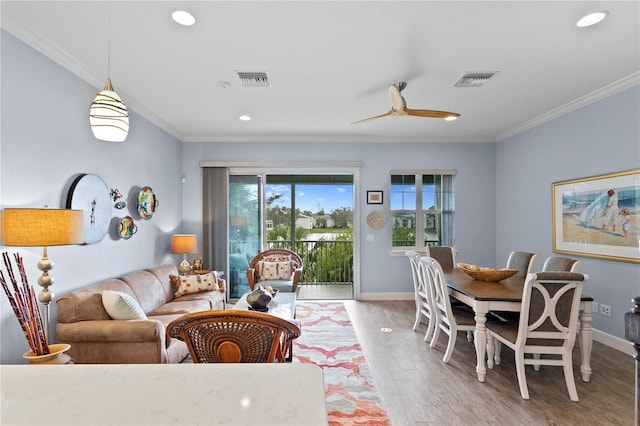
[[181, 306], [147, 289], [275, 270], [86, 304], [162, 273], [238, 261], [189, 284], [121, 306]]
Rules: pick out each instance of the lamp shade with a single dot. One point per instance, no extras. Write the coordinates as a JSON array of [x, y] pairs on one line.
[[108, 116], [184, 244], [42, 227]]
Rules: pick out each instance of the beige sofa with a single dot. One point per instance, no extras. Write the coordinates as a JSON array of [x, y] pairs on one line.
[[94, 337]]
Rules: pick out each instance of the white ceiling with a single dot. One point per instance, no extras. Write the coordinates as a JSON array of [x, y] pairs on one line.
[[330, 63]]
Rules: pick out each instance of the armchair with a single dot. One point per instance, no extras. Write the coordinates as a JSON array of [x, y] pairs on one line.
[[278, 268], [235, 336]]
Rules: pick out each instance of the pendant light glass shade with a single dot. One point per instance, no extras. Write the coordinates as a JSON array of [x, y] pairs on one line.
[[108, 116]]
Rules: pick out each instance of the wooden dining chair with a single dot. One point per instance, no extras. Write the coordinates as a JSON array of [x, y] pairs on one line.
[[559, 263], [235, 336], [448, 319], [423, 294], [445, 255], [522, 261], [546, 327]]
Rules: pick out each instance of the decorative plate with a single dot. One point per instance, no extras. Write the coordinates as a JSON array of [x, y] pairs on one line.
[[90, 193], [127, 228], [376, 219], [147, 203]]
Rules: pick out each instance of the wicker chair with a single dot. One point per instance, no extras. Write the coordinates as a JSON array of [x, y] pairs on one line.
[[274, 259], [235, 336]]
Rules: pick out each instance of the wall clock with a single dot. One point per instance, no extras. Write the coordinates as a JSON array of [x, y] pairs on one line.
[[89, 193]]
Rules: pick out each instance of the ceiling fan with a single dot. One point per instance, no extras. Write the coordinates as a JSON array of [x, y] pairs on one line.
[[399, 107]]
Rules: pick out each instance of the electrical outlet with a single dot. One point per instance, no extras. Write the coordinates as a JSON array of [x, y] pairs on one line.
[[605, 310], [595, 307]]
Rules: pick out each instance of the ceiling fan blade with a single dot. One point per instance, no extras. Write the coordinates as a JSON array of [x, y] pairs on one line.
[[373, 118], [431, 113], [397, 101]]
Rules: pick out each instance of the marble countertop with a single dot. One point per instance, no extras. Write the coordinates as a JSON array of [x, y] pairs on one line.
[[163, 394]]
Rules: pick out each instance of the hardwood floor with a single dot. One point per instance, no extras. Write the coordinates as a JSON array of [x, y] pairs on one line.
[[419, 389]]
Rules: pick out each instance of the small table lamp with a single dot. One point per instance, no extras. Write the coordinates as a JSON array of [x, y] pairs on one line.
[[35, 227], [184, 244]]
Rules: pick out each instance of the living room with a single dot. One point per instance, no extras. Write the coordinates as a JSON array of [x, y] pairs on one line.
[[503, 188]]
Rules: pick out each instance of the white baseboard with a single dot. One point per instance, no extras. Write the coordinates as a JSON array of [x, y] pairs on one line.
[[610, 340], [372, 297]]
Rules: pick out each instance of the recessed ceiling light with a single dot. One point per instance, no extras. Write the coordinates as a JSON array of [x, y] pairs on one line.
[[183, 17], [592, 18], [244, 118]]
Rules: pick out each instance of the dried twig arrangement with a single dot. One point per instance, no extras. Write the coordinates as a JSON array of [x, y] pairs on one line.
[[25, 305]]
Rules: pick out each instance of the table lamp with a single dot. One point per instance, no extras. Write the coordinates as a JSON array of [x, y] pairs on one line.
[[35, 227], [184, 244]]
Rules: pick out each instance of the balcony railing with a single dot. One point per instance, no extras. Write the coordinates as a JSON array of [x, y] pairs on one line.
[[325, 261]]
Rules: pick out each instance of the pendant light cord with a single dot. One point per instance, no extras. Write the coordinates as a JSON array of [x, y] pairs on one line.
[[108, 39]]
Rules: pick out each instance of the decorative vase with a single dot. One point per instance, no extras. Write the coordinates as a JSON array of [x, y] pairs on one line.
[[259, 299], [56, 356]]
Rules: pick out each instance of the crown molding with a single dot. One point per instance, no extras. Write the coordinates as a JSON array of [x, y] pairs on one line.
[[596, 95]]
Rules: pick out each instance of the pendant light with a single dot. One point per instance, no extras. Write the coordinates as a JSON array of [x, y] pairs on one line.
[[108, 115]]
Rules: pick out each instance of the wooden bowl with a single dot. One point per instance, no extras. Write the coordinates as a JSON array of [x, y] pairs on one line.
[[492, 275]]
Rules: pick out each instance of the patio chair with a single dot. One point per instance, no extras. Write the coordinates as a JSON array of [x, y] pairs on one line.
[[558, 263], [235, 336], [278, 268], [423, 294], [547, 326], [448, 318]]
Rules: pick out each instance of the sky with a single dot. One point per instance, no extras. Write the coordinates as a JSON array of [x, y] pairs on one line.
[[313, 197]]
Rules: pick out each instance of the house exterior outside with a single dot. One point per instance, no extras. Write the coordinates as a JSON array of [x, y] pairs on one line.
[[305, 222]]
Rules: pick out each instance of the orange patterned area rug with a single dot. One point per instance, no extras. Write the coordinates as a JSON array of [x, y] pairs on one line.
[[329, 341]]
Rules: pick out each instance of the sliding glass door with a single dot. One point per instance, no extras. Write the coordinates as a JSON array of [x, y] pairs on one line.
[[245, 229], [311, 214]]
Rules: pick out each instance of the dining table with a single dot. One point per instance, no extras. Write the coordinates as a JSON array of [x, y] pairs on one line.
[[506, 295]]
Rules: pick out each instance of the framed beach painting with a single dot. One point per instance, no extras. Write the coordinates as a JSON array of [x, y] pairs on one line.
[[598, 216]]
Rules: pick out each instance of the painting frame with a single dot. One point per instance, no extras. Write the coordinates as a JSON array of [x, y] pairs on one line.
[[375, 197], [598, 216]]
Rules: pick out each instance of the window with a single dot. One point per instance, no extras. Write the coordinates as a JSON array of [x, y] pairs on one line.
[[422, 208]]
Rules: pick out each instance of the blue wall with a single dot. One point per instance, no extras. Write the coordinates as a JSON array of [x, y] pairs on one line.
[[601, 138], [45, 142]]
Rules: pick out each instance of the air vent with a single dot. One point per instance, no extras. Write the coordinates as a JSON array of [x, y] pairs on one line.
[[254, 79], [475, 79]]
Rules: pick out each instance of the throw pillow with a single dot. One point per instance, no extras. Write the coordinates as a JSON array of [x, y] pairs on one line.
[[121, 306], [188, 284], [275, 270], [238, 261]]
